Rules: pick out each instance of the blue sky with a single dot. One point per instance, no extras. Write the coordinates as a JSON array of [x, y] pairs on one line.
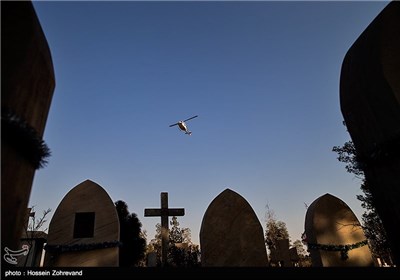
[[262, 76]]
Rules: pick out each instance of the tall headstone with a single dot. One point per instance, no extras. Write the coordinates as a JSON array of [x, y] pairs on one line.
[[27, 85], [231, 234], [294, 256], [152, 259], [370, 104], [334, 235], [84, 230]]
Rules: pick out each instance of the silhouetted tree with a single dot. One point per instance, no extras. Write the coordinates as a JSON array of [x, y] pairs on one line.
[[275, 230], [133, 242], [372, 224], [175, 233], [181, 251], [155, 244], [34, 228], [304, 257]]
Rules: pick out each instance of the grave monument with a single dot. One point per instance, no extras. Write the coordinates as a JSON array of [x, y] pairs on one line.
[[334, 235], [370, 104], [84, 230], [231, 234], [27, 85]]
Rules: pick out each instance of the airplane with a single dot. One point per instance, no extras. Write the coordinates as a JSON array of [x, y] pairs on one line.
[[182, 125]]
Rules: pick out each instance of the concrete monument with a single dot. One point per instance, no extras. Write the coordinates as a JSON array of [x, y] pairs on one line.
[[84, 230], [231, 234], [370, 104], [334, 235], [27, 86]]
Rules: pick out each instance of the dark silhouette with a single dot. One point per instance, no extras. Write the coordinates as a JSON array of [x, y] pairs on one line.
[[133, 244], [370, 105], [372, 223]]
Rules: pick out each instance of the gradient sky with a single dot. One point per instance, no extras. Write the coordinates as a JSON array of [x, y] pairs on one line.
[[263, 77]]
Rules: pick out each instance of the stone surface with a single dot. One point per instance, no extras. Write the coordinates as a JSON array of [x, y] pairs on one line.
[[329, 221], [100, 249], [231, 234], [370, 104], [27, 86], [152, 259]]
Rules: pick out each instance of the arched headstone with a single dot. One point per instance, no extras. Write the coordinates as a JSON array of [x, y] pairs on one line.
[[231, 234], [334, 235], [84, 230]]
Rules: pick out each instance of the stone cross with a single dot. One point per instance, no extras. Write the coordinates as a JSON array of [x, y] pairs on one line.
[[164, 212]]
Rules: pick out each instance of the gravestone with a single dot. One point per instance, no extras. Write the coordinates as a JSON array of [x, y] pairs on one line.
[[27, 86], [152, 259], [294, 256], [84, 230], [334, 235], [231, 234], [282, 255], [370, 104]]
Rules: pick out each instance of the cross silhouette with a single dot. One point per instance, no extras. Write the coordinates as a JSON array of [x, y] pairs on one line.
[[164, 212]]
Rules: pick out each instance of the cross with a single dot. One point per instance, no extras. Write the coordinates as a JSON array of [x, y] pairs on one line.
[[164, 212]]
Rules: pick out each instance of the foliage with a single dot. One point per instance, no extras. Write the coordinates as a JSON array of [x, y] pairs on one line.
[[275, 230], [304, 258], [56, 249], [372, 224], [133, 240], [343, 249], [299, 248], [20, 135], [181, 251], [186, 256], [348, 154], [175, 233]]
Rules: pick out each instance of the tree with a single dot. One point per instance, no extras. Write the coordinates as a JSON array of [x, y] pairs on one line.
[[299, 247], [275, 230], [304, 258], [181, 251], [175, 233], [155, 244], [372, 224], [34, 228], [132, 238]]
